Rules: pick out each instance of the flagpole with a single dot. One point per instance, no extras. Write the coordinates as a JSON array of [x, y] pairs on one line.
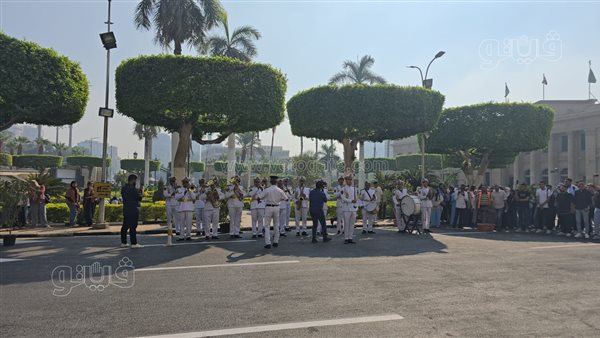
[[543, 92]]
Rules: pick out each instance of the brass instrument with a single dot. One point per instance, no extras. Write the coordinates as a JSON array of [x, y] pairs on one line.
[[300, 198], [212, 195]]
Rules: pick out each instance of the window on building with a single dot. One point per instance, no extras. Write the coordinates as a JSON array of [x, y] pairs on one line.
[[545, 176], [528, 176], [564, 174], [582, 142], [564, 143]]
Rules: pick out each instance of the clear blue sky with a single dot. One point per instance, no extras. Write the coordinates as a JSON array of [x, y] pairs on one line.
[[309, 40]]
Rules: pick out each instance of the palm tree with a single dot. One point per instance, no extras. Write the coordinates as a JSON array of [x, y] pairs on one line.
[[328, 156], [4, 138], [249, 142], [21, 141], [147, 133], [12, 144], [239, 45], [60, 148], [357, 73], [178, 21], [78, 151], [41, 143]]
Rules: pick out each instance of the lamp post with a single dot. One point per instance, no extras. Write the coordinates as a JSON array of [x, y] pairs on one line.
[[426, 83], [109, 42]]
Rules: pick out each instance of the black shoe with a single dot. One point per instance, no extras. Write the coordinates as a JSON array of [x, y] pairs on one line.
[[351, 241], [231, 236], [241, 232], [314, 240], [304, 233], [326, 239], [180, 239], [297, 234], [268, 246], [238, 236], [283, 235], [371, 232], [427, 231], [275, 245], [260, 236], [346, 241], [339, 232], [215, 237], [253, 236], [188, 239], [288, 229], [207, 238], [364, 231]]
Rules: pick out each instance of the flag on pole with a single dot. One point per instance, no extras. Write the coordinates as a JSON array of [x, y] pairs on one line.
[[544, 81], [591, 77], [506, 90]]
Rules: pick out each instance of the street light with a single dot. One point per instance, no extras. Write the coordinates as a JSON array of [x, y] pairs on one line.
[[426, 83], [109, 42], [135, 154]]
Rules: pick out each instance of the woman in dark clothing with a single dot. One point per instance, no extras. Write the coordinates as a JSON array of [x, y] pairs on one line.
[[89, 203]]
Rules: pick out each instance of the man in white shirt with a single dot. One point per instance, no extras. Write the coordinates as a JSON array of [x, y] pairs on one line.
[[287, 188], [283, 209], [339, 212], [199, 208], [257, 208], [349, 200], [272, 196], [301, 208], [499, 203], [423, 192], [369, 201], [542, 197], [185, 209], [235, 204], [461, 196], [380, 204], [397, 197], [212, 197], [171, 204]]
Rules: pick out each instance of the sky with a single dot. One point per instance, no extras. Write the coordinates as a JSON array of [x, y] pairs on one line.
[[487, 44]]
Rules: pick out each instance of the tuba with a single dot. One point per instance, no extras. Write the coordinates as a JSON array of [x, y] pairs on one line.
[[212, 195]]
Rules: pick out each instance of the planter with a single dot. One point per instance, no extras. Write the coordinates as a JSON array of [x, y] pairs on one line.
[[9, 240], [224, 228], [486, 227]]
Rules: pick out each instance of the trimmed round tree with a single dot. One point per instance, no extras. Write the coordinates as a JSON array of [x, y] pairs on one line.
[[137, 165], [356, 113], [195, 96], [39, 86], [490, 135], [37, 161], [89, 162]]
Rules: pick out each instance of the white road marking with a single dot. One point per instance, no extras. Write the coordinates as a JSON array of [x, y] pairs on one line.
[[30, 241], [215, 266], [563, 246], [287, 326], [196, 243], [6, 260]]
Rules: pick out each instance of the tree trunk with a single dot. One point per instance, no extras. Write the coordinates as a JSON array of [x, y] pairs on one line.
[[361, 165], [231, 155], [483, 165], [177, 49], [146, 159], [349, 148], [20, 149], [185, 132], [41, 149], [178, 172]]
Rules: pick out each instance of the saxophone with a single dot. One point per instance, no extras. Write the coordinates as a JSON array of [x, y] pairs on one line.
[[300, 198]]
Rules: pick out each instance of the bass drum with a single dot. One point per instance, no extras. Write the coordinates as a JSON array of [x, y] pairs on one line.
[[410, 205]]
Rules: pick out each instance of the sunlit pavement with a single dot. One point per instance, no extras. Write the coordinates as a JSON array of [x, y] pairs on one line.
[[451, 283]]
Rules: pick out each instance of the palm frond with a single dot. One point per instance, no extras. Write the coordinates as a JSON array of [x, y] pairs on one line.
[[143, 12], [339, 78]]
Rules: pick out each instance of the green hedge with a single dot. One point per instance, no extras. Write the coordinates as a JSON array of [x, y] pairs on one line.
[[196, 167], [37, 161], [86, 161], [221, 166], [59, 212], [6, 160], [137, 165]]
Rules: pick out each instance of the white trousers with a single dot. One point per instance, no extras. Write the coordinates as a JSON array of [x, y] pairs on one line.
[[271, 213], [425, 216], [349, 220], [368, 220], [300, 215], [399, 219], [282, 213], [235, 220], [172, 216], [199, 219], [185, 221], [211, 221], [258, 219], [339, 214], [288, 212]]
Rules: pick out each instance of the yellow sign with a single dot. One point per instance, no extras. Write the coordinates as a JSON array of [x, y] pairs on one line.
[[102, 189]]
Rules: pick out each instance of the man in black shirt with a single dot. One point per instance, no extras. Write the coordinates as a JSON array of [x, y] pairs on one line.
[[564, 208], [583, 202], [522, 200], [131, 211]]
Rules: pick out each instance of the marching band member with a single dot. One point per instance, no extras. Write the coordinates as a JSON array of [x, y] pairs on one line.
[[199, 208], [185, 195], [424, 193], [287, 188], [235, 204], [257, 208], [399, 194], [337, 194], [369, 201], [171, 203], [272, 196], [301, 200], [283, 207], [212, 197], [349, 199]]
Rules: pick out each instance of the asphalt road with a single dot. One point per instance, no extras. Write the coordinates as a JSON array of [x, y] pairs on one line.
[[464, 284]]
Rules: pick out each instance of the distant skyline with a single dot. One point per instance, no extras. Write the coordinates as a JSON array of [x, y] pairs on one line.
[[486, 44]]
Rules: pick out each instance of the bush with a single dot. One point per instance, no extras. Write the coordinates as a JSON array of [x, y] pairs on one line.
[[86, 161], [137, 165], [6, 160], [37, 161], [59, 212], [196, 167]]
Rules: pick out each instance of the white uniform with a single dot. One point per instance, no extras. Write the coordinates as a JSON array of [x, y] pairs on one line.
[[426, 205], [185, 211], [272, 196], [171, 206], [339, 212], [284, 209], [368, 197], [288, 205], [397, 199], [257, 210], [235, 204], [301, 214], [348, 195], [199, 210], [211, 214]]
